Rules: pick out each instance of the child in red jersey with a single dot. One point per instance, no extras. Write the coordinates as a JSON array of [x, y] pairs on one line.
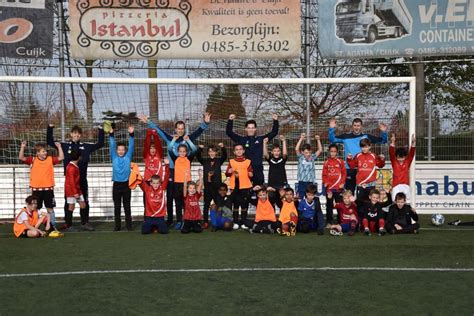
[[153, 155], [347, 214], [155, 201], [334, 178], [192, 192], [401, 161], [72, 188], [366, 164]]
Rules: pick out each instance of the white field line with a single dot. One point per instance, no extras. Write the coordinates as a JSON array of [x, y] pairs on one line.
[[69, 273], [126, 232]]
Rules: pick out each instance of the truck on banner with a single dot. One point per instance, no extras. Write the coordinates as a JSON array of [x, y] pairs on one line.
[[198, 29], [395, 28], [26, 28]]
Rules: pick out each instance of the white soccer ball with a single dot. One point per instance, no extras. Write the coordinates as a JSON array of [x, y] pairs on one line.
[[437, 219]]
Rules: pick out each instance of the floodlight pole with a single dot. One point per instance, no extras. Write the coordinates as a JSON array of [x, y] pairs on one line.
[[61, 67], [307, 71], [412, 131]]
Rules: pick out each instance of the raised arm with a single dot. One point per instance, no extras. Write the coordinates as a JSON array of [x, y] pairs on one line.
[[201, 181], [199, 154], [100, 140], [112, 145], [230, 130], [320, 147], [285, 149], [223, 153], [265, 148], [171, 148], [411, 153], [50, 136], [332, 133], [131, 142], [204, 126], [164, 136], [21, 154], [383, 139], [274, 132], [391, 149], [60, 151], [298, 144]]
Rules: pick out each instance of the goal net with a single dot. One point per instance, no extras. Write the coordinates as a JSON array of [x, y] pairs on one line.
[[29, 104]]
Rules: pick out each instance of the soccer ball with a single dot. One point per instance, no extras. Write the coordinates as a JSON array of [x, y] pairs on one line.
[[437, 219]]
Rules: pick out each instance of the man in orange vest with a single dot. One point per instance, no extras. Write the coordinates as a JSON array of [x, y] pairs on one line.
[[26, 222]]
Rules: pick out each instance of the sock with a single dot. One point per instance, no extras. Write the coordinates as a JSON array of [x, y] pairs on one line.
[[68, 218], [381, 223], [365, 223], [244, 216], [235, 215], [52, 218], [83, 216], [353, 225]]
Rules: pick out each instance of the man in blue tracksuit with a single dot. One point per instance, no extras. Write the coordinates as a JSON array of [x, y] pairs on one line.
[[351, 143], [253, 144], [86, 149], [180, 130]]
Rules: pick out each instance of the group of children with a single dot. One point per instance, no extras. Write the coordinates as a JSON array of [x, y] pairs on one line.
[[226, 201]]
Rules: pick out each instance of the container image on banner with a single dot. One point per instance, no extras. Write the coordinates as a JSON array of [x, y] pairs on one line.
[[395, 28], [198, 29], [26, 28]]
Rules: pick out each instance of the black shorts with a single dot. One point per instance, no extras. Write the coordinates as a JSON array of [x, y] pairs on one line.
[[45, 197], [241, 198]]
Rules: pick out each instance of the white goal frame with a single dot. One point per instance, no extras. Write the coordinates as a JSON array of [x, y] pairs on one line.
[[411, 81]]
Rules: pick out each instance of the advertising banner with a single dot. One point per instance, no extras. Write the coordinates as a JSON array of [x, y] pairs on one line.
[[26, 28], [395, 28], [198, 29]]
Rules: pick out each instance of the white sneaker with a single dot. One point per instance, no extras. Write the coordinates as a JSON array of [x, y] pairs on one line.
[[244, 227], [236, 226], [335, 232]]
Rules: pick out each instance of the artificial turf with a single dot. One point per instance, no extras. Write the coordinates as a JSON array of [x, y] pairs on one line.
[[244, 292]]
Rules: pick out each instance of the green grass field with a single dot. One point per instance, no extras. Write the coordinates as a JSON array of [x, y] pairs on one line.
[[305, 292]]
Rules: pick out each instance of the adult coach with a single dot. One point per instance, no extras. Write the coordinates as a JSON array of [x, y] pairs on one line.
[[86, 149], [253, 144], [351, 143], [180, 130]]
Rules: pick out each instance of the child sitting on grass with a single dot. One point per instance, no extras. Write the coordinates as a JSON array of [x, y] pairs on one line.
[[27, 222], [347, 214], [265, 219], [288, 214], [310, 215], [221, 210], [192, 192], [371, 213], [402, 218]]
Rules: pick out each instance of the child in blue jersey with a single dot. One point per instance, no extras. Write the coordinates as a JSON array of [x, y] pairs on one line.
[[310, 216], [180, 130], [351, 143], [121, 159], [306, 161]]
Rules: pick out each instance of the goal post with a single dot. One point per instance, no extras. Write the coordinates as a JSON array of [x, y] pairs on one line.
[[409, 81]]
